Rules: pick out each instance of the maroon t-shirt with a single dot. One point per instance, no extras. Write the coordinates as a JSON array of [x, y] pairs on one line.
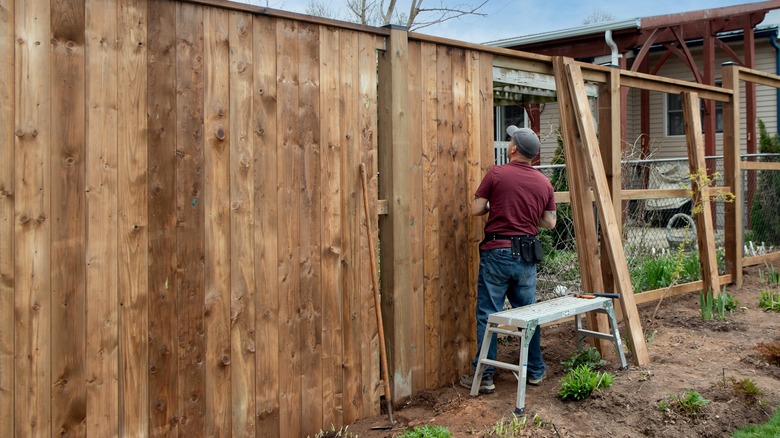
[[518, 196]]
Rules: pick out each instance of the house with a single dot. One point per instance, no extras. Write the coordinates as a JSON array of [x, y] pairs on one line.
[[688, 46]]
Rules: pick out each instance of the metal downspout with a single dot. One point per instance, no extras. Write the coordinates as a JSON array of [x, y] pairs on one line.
[[614, 47], [773, 40]]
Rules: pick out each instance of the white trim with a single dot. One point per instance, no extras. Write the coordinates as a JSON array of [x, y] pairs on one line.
[[633, 23]]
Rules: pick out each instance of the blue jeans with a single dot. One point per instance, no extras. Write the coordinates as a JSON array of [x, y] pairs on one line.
[[501, 276]]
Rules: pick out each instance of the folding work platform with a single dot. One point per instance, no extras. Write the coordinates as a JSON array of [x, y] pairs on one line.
[[526, 319]]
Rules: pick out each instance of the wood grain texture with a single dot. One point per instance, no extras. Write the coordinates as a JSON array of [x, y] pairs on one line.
[[460, 203], [487, 158], [161, 188], [7, 162], [732, 175], [266, 212], [308, 125], [446, 192], [69, 211], [242, 234], [332, 248], [367, 150], [102, 352], [216, 199], [350, 225], [190, 220], [289, 249], [701, 198], [416, 269], [431, 202], [133, 219]]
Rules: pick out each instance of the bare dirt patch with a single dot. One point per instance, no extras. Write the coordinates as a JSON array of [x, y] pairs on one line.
[[685, 353]]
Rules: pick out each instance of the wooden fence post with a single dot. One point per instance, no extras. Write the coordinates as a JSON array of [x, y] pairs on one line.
[[396, 227], [731, 175]]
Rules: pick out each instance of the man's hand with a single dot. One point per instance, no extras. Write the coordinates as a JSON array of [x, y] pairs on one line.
[[548, 219], [479, 206]]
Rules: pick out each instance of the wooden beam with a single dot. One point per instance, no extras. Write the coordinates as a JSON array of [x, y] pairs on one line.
[[646, 81], [732, 175], [640, 57], [582, 206], [610, 135], [761, 259], [594, 162], [759, 77], [698, 167], [396, 227], [680, 289], [759, 165]]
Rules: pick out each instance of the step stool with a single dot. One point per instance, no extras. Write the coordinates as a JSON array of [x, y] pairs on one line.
[[526, 319]]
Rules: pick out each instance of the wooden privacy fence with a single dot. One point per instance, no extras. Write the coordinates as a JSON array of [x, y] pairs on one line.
[[182, 244]]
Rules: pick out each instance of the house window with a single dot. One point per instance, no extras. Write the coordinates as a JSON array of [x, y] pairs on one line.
[[505, 116], [674, 115]]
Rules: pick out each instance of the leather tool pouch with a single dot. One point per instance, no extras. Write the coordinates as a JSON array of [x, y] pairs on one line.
[[529, 248]]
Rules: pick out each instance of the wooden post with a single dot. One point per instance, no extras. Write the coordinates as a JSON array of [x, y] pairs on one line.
[[582, 206], [396, 227], [732, 176], [701, 196], [593, 162]]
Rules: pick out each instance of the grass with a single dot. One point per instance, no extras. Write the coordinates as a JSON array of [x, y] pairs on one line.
[[769, 300], [770, 429], [579, 383], [689, 404]]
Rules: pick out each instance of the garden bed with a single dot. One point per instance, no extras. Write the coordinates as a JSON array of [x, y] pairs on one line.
[[685, 353]]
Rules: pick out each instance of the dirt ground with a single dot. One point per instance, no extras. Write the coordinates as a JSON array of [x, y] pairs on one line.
[[685, 353]]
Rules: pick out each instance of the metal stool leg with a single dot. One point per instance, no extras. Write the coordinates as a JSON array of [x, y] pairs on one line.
[[616, 335], [525, 340], [483, 352]]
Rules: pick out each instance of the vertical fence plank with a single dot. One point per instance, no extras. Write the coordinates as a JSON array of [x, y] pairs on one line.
[[415, 158], [367, 126], [459, 216], [190, 220], [431, 201], [732, 176], [101, 178], [446, 193], [487, 160], [161, 168], [216, 199], [289, 250], [331, 228], [266, 207], [350, 225], [7, 163], [309, 234], [133, 220], [68, 218], [242, 236]]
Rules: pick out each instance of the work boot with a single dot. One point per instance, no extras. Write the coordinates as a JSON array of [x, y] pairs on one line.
[[485, 385]]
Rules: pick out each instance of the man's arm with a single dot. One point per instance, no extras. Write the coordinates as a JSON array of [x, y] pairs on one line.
[[479, 206], [548, 219]]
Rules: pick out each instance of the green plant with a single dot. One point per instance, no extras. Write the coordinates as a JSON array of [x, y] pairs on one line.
[[770, 429], [747, 389], [772, 275], [580, 383], [689, 404], [507, 428], [589, 357], [769, 352], [705, 304], [769, 300], [427, 431]]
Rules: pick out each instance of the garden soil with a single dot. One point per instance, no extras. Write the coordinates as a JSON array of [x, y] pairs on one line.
[[685, 353]]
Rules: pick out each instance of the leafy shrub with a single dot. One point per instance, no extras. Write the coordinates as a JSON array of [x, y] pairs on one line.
[[748, 391], [579, 383], [770, 352], [427, 431], [589, 357], [690, 404]]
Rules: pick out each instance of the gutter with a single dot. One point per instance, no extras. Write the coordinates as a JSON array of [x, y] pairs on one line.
[[773, 40], [613, 47], [597, 28]]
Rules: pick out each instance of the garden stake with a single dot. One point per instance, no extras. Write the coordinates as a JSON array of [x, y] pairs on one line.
[[377, 303]]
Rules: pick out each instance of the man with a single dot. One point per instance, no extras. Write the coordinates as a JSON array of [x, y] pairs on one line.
[[520, 201]]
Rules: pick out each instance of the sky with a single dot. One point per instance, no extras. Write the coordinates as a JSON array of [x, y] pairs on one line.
[[512, 18]]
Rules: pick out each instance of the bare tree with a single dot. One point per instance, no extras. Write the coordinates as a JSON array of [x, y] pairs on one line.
[[598, 16], [380, 13]]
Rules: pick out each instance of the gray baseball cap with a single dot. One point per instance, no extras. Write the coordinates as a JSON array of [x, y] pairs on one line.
[[526, 140]]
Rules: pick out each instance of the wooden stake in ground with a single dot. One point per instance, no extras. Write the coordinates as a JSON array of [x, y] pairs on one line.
[[377, 302]]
